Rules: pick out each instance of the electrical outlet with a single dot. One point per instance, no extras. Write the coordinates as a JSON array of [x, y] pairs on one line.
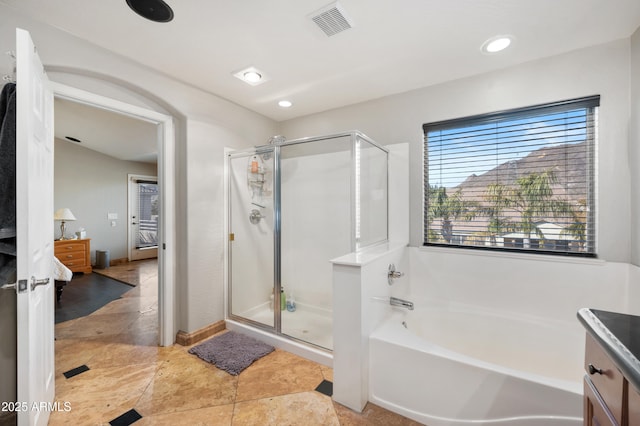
[[113, 223]]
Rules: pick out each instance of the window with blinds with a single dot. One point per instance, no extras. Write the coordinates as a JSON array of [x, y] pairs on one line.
[[515, 180]]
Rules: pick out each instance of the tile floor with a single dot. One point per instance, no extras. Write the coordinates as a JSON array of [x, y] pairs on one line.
[[168, 386]]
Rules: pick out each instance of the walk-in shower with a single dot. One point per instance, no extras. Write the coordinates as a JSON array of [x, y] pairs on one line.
[[294, 206]]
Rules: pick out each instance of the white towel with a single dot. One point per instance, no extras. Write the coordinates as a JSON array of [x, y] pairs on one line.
[[61, 272]]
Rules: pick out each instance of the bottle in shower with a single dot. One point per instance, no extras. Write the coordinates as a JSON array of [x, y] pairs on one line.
[[291, 303], [283, 299]]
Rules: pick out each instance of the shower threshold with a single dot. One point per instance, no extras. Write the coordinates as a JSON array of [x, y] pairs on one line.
[[305, 325]]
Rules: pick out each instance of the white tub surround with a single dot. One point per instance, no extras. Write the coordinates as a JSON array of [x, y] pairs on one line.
[[538, 286], [493, 339], [360, 303]]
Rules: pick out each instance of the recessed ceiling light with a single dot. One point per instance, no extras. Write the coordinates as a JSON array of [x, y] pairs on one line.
[[284, 103], [72, 139], [251, 75], [497, 44]]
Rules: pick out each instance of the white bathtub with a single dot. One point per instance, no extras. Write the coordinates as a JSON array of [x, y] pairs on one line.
[[464, 366]]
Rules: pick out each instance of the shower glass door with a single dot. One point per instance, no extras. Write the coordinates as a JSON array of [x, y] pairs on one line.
[[316, 214], [251, 237], [293, 207]]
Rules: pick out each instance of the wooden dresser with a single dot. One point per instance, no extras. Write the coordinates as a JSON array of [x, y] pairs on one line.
[[74, 254], [611, 394]]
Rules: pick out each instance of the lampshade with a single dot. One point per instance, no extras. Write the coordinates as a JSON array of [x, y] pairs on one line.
[[63, 214]]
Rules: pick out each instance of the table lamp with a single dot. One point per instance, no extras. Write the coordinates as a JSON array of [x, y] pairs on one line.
[[63, 215]]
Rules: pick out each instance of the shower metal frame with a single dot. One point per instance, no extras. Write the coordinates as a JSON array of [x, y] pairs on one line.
[[275, 150]]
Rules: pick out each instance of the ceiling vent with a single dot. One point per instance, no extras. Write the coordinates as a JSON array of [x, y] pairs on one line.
[[331, 19]]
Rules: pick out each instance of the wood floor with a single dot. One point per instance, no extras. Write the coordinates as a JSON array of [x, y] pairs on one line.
[[132, 273], [123, 372]]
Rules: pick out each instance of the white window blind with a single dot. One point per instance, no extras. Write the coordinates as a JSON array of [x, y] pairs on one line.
[[514, 180]]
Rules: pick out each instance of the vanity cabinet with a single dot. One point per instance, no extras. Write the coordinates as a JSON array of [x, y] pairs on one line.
[[612, 367], [634, 407], [604, 388], [74, 254]]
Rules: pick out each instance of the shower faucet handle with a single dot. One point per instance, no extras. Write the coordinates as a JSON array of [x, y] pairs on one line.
[[392, 274], [255, 216]]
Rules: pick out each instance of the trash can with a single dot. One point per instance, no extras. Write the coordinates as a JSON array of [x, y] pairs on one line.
[[102, 259]]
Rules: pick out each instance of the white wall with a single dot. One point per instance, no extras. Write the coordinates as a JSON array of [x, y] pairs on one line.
[[634, 147], [202, 258], [600, 70], [91, 185]]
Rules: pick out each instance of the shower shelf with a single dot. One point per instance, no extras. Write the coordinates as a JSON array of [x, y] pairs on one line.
[[257, 181]]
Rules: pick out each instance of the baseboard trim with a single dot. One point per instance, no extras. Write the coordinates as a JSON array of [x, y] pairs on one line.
[[187, 339], [120, 261]]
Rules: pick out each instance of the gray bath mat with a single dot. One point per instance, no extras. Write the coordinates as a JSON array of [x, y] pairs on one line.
[[231, 352]]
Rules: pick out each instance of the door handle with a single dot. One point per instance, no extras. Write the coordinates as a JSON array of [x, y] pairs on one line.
[[35, 283], [21, 285]]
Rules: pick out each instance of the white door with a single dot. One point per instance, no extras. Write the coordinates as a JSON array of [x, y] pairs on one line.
[[144, 215], [34, 223]]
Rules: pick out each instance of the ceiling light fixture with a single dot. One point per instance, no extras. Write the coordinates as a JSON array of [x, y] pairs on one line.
[[285, 103], [497, 44], [153, 10], [251, 75]]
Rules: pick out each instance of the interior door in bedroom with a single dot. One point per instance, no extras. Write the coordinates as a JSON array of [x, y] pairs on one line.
[[144, 215], [34, 223]]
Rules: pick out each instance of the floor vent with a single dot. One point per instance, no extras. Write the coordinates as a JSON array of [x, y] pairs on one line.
[[75, 371], [331, 19]]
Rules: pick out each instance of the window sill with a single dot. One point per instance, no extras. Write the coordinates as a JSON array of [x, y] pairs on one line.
[[514, 255]]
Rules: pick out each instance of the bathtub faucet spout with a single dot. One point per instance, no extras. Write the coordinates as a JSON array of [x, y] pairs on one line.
[[394, 301]]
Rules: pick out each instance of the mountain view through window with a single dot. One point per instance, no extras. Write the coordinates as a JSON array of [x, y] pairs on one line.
[[520, 179]]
